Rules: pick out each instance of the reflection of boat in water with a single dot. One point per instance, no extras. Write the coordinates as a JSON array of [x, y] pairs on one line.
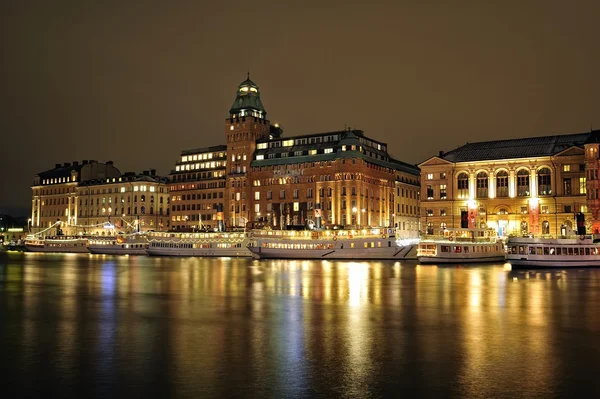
[[579, 251], [229, 244], [74, 244], [133, 244], [373, 243], [461, 245]]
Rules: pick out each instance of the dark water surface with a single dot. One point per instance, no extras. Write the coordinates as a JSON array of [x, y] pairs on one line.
[[104, 326]]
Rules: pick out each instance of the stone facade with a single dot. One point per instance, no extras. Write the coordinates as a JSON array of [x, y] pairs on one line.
[[518, 187]]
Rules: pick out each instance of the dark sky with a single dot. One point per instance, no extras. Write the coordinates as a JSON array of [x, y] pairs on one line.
[[138, 81]]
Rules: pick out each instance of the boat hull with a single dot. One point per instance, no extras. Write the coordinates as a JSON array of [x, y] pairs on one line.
[[386, 253], [116, 250], [199, 252], [45, 249], [479, 259], [552, 263]]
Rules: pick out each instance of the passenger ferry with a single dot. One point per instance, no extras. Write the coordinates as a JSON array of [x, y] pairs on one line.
[[133, 244], [461, 245], [228, 244], [554, 252], [373, 243], [76, 244]]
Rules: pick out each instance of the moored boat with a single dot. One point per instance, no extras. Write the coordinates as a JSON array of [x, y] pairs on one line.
[[133, 244], [372, 243], [461, 245], [579, 251], [63, 244], [226, 244]]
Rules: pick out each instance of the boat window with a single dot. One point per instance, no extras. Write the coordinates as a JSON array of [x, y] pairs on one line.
[[564, 250], [458, 249], [587, 250], [538, 251], [522, 250], [531, 250], [575, 251], [546, 251], [351, 245], [570, 251], [552, 251], [445, 248], [466, 250]]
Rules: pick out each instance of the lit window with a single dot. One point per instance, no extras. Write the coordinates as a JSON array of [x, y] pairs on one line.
[[287, 143], [257, 195], [328, 150], [296, 206], [184, 159], [260, 157], [136, 188], [313, 152], [429, 176], [122, 189], [566, 168]]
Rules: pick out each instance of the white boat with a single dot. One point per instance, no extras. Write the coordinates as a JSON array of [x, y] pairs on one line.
[[226, 244], [372, 243], [461, 245], [578, 251], [63, 244], [133, 244]]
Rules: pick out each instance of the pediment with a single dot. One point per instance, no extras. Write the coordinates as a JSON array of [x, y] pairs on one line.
[[434, 161], [570, 152]]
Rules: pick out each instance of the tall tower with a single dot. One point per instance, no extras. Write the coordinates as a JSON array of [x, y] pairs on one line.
[[247, 122]]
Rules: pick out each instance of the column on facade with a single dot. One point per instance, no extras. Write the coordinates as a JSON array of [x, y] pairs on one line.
[[533, 182], [491, 184], [512, 184], [472, 185]]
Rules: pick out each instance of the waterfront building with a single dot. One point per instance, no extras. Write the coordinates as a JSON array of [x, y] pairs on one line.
[[523, 186], [340, 178], [92, 197], [128, 203], [54, 193], [406, 201], [197, 188]]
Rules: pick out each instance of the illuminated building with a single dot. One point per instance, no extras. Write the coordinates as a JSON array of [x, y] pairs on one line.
[[406, 202], [90, 197], [521, 186], [332, 178], [54, 192], [128, 203], [197, 188]]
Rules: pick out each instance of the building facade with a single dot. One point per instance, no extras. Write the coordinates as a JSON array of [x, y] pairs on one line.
[[92, 197], [518, 187], [340, 178], [197, 188]]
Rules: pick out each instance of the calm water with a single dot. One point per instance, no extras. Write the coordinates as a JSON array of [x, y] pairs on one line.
[[102, 326]]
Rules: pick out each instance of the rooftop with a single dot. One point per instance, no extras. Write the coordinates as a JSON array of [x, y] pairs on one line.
[[517, 148]]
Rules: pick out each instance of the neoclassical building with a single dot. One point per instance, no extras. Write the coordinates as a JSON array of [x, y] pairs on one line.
[[339, 178], [94, 198], [522, 186]]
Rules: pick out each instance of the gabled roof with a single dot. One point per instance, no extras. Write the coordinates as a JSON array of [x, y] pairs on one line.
[[516, 148]]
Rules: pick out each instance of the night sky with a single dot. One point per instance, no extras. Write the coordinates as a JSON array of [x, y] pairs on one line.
[[138, 81]]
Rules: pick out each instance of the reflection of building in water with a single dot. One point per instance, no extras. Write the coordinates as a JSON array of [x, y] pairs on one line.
[[533, 185]]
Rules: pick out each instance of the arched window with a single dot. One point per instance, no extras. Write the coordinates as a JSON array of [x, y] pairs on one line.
[[443, 225], [524, 229], [544, 182], [482, 185], [545, 227], [523, 183], [463, 186], [502, 184]]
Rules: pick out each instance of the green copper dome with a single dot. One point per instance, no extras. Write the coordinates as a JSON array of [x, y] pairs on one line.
[[247, 100]]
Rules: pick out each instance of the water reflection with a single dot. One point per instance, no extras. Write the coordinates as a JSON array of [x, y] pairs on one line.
[[236, 327]]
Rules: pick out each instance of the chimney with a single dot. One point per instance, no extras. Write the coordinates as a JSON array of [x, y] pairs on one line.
[[56, 166], [152, 172], [441, 153], [84, 162], [75, 163], [67, 164]]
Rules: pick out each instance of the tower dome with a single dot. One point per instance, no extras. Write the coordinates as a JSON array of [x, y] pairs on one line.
[[247, 101]]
